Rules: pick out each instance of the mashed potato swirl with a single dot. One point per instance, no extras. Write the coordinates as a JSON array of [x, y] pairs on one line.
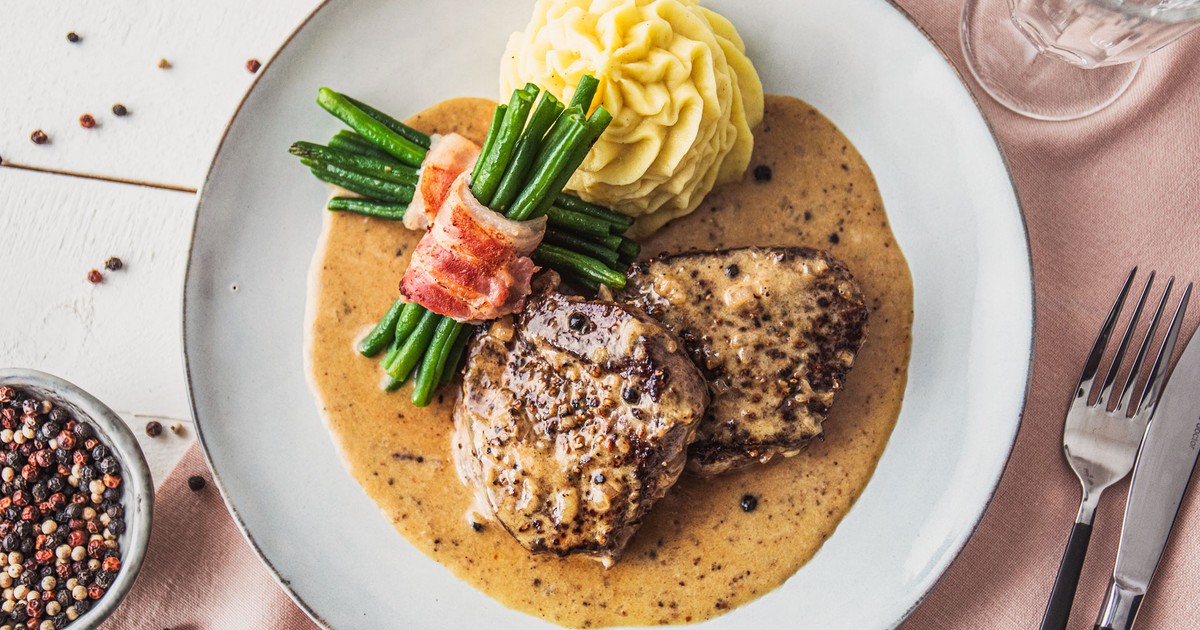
[[683, 95]]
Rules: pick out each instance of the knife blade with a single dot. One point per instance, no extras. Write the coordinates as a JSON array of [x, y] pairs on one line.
[[1165, 463]]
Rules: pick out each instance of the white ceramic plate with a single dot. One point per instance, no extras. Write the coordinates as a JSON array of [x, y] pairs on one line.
[[861, 62]]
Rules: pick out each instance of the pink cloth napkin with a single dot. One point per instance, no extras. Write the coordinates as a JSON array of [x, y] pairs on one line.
[[1116, 189], [200, 574]]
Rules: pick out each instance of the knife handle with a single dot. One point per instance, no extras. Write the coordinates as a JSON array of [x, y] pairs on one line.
[[1120, 608], [1058, 609]]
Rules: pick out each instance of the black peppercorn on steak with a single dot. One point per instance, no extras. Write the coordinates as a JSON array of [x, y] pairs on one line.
[[774, 331], [573, 420]]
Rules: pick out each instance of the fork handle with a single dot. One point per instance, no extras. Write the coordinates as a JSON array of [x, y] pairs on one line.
[[1058, 609]]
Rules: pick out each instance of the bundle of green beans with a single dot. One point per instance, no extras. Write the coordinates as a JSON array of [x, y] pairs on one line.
[[527, 157]]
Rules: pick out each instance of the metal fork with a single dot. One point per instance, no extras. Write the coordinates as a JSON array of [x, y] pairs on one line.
[[1101, 445]]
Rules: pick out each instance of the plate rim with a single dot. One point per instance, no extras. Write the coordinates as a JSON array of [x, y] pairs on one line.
[[310, 611]]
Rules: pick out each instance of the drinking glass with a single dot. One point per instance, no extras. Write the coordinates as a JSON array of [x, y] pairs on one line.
[[1065, 59]]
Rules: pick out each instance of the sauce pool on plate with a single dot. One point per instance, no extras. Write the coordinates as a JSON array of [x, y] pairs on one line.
[[710, 545]]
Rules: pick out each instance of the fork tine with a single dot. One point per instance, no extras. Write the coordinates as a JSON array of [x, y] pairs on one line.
[[1115, 367], [1093, 361], [1154, 383], [1147, 340]]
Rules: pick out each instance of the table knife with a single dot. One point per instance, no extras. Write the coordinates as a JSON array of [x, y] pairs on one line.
[[1164, 466]]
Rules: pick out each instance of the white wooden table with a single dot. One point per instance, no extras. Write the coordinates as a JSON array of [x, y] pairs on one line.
[[126, 187]]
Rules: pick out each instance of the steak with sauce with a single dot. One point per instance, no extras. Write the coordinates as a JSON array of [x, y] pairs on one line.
[[574, 418], [774, 331]]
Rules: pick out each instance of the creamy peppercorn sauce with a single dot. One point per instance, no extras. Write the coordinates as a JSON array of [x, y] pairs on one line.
[[699, 553]]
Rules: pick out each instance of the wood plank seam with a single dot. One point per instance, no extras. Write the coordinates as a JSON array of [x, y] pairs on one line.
[[103, 178]]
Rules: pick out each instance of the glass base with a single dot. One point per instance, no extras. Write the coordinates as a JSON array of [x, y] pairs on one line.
[[1014, 73]]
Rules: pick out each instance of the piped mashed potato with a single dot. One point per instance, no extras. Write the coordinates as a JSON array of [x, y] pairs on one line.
[[675, 76]]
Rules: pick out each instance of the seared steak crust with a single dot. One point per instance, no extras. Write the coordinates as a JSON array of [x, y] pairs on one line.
[[574, 418], [773, 329]]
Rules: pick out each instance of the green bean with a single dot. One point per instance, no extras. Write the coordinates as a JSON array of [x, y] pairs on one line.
[[409, 319], [378, 133], [575, 262], [595, 126], [414, 346], [489, 141], [368, 207], [496, 161], [586, 282], [418, 138], [390, 384], [577, 244], [541, 181], [346, 140], [544, 115], [575, 204], [585, 92], [629, 249], [387, 170], [384, 331], [359, 183], [580, 223], [430, 372], [454, 359]]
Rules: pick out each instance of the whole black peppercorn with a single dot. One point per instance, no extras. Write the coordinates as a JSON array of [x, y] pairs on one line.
[[196, 483], [60, 620], [40, 492], [577, 321], [84, 431], [154, 428], [100, 452], [834, 238], [630, 395], [733, 271], [28, 578], [49, 430], [58, 414], [114, 264], [112, 494], [63, 597], [86, 473], [62, 456], [19, 615], [115, 511], [120, 110], [116, 526], [83, 606], [27, 546], [55, 484], [109, 465], [104, 579], [73, 37], [749, 503], [39, 137], [23, 529], [762, 173], [73, 511]]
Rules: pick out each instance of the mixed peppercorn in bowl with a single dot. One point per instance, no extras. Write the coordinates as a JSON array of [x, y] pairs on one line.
[[76, 499]]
